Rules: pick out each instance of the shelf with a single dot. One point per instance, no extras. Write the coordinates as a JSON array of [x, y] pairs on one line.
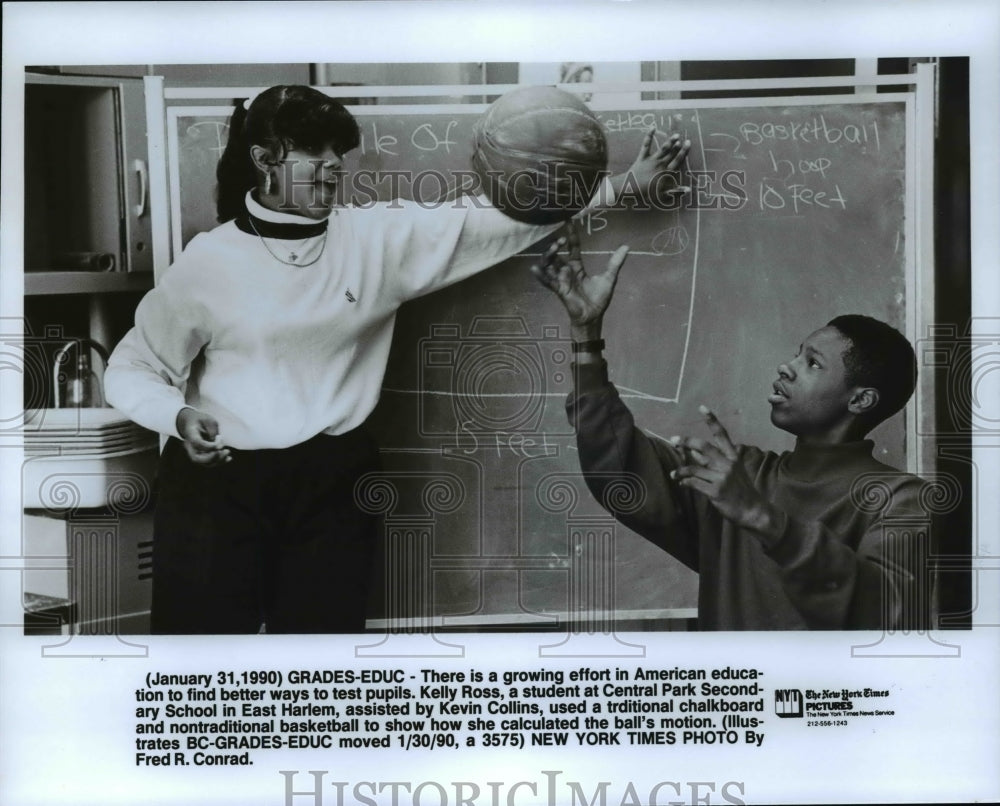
[[37, 283]]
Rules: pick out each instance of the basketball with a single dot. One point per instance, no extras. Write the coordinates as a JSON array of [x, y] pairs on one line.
[[540, 154]]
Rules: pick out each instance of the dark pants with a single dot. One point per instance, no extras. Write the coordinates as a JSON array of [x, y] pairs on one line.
[[272, 538]]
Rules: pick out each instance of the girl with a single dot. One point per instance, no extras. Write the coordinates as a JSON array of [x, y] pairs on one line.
[[261, 353]]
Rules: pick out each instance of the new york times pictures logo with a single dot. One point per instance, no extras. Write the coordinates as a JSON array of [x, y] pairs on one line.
[[788, 703]]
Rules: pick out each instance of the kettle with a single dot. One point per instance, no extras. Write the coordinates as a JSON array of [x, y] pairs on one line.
[[80, 388]]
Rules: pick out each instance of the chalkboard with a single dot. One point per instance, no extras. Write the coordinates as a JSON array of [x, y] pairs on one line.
[[798, 215]]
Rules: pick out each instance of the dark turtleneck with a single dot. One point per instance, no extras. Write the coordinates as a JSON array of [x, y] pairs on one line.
[[811, 461]]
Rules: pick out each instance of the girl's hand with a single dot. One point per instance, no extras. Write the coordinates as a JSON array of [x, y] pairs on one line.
[[656, 172], [586, 297], [202, 442]]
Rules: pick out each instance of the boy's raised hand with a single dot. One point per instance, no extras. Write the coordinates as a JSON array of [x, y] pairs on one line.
[[585, 296]]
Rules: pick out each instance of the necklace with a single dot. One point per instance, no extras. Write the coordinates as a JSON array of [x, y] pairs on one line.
[[292, 255]]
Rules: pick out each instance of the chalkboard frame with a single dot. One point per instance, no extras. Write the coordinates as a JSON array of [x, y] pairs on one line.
[[916, 94]]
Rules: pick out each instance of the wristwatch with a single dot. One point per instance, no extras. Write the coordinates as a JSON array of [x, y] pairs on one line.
[[592, 346]]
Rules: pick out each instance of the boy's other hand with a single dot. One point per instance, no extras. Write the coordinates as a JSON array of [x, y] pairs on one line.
[[716, 472]]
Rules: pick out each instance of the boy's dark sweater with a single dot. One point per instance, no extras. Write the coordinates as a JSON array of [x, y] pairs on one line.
[[853, 540]]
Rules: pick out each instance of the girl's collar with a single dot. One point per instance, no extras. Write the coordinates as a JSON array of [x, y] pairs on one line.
[[272, 224]]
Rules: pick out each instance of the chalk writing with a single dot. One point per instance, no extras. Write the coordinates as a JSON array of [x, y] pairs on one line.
[[711, 192], [630, 121], [811, 131], [595, 221], [671, 241], [426, 139], [798, 197], [818, 165], [731, 146], [380, 144], [214, 134]]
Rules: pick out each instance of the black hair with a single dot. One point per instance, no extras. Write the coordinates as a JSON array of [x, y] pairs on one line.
[[881, 357], [280, 119]]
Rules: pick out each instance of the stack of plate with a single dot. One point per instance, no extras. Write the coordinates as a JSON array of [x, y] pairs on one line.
[[83, 432], [86, 458]]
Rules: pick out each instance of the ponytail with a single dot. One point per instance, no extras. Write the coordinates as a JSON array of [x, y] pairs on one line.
[[235, 172]]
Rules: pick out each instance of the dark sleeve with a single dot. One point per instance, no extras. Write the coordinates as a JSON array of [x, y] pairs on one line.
[[626, 470], [877, 582]]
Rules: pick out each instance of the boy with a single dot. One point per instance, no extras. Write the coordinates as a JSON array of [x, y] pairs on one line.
[[790, 541]]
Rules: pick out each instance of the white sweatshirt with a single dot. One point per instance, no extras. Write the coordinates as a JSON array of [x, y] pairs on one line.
[[279, 353]]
